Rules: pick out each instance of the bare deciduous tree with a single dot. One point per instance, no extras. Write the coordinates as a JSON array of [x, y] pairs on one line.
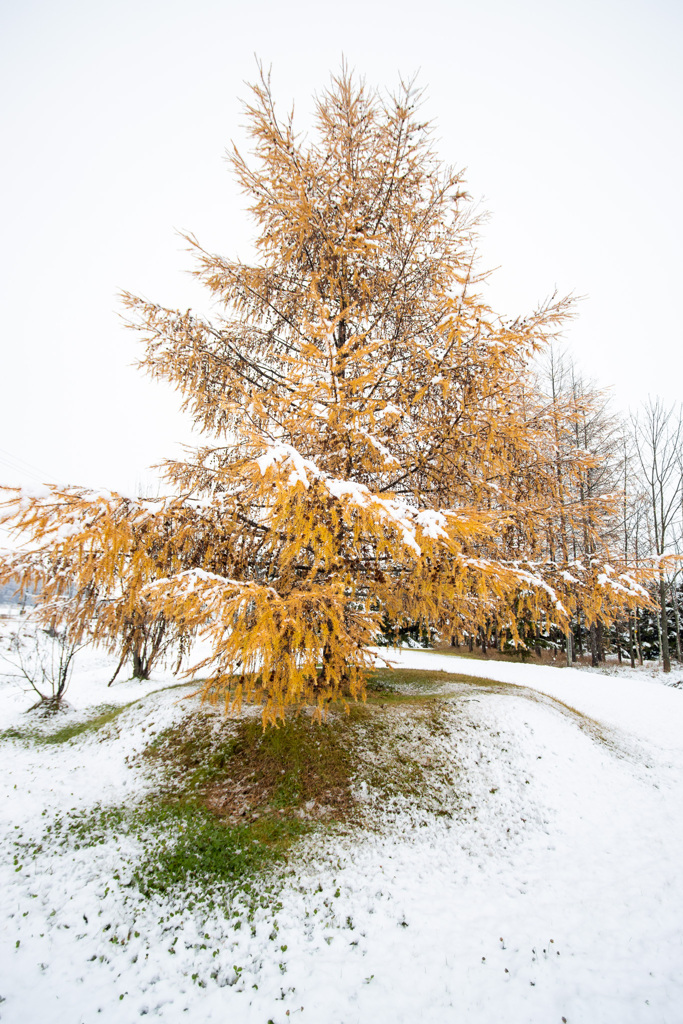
[[44, 659], [658, 434]]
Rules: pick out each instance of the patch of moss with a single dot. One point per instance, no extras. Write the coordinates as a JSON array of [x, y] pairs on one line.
[[392, 686], [237, 769]]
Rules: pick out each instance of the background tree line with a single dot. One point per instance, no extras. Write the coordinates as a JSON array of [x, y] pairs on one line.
[[640, 458]]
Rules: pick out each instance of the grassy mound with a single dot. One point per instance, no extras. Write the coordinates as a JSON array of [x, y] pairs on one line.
[[227, 801]]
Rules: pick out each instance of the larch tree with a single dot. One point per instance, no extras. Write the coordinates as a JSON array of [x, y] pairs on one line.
[[583, 424], [377, 447]]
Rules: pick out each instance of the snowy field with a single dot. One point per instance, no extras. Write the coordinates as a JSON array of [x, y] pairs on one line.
[[544, 885]]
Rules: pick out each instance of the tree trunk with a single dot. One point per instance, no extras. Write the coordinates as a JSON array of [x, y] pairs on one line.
[[601, 642], [579, 635], [664, 628], [569, 646], [631, 639], [677, 620], [595, 656], [638, 639], [141, 668]]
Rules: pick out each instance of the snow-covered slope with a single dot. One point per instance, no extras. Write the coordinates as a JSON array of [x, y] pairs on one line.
[[552, 891], [633, 701]]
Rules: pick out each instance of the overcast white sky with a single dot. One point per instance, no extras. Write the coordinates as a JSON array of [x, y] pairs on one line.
[[115, 118]]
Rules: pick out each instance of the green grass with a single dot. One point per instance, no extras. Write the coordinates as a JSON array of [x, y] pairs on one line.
[[16, 734], [187, 846], [183, 846], [104, 716]]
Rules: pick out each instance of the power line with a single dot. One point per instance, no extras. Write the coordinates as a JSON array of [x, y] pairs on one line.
[[22, 466]]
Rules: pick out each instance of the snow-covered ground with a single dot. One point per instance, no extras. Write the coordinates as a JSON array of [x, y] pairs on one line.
[[551, 888]]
